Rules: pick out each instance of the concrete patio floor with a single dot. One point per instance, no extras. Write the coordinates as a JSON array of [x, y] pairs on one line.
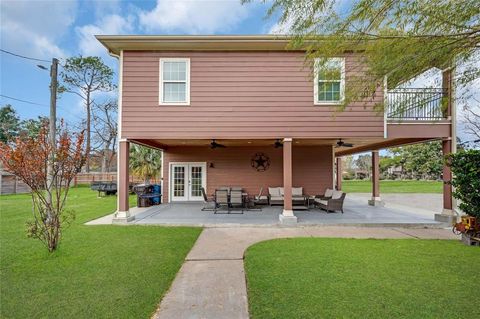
[[357, 213]]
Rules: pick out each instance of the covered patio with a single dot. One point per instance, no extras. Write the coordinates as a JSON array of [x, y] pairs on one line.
[[357, 213]]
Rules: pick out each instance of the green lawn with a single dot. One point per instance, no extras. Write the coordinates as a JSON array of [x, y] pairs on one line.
[[387, 186], [98, 271], [359, 278]]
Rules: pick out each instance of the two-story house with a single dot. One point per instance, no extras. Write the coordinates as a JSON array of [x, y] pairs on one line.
[[244, 110]]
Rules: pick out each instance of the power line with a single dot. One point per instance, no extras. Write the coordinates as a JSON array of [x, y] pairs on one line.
[[20, 100], [35, 103], [23, 57]]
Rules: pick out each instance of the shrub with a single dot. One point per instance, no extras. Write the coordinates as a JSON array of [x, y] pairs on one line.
[[465, 167]]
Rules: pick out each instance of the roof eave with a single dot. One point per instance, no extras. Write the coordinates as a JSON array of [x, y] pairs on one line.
[[117, 43]]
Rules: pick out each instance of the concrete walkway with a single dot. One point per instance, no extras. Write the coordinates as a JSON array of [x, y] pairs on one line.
[[211, 283]]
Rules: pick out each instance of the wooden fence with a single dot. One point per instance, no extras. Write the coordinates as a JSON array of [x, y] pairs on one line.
[[87, 178], [10, 184]]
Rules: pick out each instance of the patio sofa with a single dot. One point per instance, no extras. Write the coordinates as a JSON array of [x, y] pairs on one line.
[[332, 203], [276, 194]]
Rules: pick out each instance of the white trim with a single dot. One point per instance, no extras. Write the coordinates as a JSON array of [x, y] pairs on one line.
[[342, 83], [385, 106], [170, 181], [334, 168], [187, 81], [417, 122], [120, 101], [288, 212]]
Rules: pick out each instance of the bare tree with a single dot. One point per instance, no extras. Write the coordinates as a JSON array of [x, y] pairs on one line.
[[105, 131], [85, 76], [471, 122]]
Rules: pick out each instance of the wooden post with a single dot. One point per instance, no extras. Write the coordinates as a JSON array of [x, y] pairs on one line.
[[448, 146], [447, 176], [123, 213], [339, 173], [376, 200]]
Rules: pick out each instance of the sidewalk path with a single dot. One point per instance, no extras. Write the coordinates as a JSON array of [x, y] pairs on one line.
[[211, 283]]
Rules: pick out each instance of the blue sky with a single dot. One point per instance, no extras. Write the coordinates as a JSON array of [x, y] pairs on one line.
[[63, 28]]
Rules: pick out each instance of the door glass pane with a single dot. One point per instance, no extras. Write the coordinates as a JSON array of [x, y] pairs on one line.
[[179, 181], [196, 172]]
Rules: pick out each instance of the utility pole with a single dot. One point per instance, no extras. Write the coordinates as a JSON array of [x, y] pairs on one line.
[[53, 101], [52, 127]]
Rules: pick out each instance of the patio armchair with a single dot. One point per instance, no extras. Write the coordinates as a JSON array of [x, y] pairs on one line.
[[209, 203], [332, 204], [275, 196], [236, 199], [327, 195], [221, 200], [297, 196]]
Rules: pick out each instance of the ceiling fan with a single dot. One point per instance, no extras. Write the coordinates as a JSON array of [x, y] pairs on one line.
[[214, 145], [278, 144], [341, 143]]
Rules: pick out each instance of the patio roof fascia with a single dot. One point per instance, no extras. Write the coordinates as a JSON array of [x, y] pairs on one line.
[[382, 145]]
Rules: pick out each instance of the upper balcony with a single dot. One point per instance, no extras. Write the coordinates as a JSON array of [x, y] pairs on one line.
[[419, 104], [418, 112]]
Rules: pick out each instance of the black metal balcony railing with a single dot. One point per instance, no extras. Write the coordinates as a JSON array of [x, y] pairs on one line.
[[416, 104]]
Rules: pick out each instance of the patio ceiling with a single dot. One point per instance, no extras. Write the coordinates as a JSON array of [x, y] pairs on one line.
[[360, 144]]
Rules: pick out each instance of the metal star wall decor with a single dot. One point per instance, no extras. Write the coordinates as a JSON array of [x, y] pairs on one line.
[[260, 162]]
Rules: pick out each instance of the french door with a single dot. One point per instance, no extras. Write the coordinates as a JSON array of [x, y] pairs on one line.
[[187, 180]]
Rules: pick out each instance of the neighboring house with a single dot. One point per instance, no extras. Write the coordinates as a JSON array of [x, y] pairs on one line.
[[181, 93], [395, 171]]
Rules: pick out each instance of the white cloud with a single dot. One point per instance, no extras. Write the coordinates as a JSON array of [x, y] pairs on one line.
[[36, 27], [281, 28], [109, 24], [193, 16]]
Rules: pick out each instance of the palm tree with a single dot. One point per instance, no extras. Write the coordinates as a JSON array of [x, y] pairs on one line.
[[145, 162]]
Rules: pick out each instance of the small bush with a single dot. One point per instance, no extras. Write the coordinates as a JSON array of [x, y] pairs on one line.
[[465, 167]]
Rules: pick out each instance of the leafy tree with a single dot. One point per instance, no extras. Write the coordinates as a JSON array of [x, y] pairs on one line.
[[387, 162], [364, 163], [465, 167], [421, 161], [85, 76], [28, 159], [145, 162], [32, 127], [400, 39], [9, 123]]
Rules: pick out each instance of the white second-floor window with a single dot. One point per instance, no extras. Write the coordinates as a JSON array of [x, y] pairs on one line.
[[329, 84], [174, 81]]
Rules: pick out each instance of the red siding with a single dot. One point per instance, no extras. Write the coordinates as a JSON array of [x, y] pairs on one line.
[[239, 95], [312, 167]]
